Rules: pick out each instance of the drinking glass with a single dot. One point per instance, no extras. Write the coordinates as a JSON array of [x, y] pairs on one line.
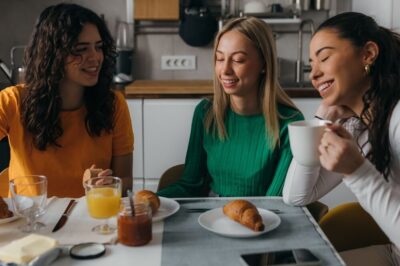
[[103, 197], [28, 197]]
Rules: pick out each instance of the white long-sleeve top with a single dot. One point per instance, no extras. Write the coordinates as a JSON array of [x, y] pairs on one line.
[[380, 198]]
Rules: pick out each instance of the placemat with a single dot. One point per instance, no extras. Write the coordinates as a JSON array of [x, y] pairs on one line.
[[185, 242]]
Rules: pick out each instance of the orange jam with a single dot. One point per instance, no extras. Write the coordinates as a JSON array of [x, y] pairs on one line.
[[135, 230]]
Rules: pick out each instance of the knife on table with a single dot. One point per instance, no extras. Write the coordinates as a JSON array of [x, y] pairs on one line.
[[64, 217]]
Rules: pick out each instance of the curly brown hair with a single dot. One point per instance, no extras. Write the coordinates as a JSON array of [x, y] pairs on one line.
[[54, 36], [384, 94]]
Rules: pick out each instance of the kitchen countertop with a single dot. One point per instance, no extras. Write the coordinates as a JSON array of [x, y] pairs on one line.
[[154, 89]]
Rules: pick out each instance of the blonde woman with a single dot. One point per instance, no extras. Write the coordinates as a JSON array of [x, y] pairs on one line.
[[239, 142]]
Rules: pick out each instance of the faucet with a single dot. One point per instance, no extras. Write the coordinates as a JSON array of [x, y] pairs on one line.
[[300, 67]]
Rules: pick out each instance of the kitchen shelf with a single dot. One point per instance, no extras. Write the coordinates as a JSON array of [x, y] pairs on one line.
[[282, 20]]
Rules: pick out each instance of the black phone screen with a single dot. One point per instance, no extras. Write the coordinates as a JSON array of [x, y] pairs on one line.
[[285, 257]]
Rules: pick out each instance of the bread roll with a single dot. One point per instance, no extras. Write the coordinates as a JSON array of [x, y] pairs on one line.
[[148, 197], [245, 213], [4, 211]]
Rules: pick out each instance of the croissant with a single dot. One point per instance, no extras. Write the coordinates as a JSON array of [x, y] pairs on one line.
[[4, 211], [244, 213], [149, 197]]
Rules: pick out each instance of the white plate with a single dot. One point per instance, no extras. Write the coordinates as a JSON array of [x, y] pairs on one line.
[[12, 218], [167, 208], [217, 222]]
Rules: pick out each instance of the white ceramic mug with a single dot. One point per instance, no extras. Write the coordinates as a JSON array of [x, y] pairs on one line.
[[305, 137]]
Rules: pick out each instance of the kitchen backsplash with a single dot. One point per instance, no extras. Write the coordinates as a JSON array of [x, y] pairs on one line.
[[19, 16], [150, 46]]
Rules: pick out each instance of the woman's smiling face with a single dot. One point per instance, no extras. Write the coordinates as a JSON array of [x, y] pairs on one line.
[[238, 64], [337, 69], [83, 67]]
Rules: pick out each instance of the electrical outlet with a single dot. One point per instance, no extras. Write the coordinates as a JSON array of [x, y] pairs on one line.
[[178, 62]]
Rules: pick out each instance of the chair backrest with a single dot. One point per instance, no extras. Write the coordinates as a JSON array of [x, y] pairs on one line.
[[5, 154], [317, 210], [349, 226], [170, 176], [4, 183]]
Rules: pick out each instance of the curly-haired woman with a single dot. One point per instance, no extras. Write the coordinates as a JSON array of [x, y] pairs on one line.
[[65, 117]]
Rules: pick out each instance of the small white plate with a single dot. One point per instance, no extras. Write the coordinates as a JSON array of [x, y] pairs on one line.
[[10, 207], [167, 208], [217, 222]]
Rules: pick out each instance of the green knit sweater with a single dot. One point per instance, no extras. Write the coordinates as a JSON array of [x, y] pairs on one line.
[[242, 165]]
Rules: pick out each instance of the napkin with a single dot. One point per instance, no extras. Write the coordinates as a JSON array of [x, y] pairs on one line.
[[11, 231], [25, 249], [78, 228]]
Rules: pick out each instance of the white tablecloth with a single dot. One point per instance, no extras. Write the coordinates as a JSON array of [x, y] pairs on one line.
[[77, 230]]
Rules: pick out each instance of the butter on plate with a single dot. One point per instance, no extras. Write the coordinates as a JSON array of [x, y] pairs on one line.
[[25, 249]]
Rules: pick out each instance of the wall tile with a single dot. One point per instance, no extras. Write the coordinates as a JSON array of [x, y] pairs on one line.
[[147, 56], [19, 17], [203, 57]]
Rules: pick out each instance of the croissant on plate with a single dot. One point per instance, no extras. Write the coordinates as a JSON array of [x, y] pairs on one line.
[[148, 197], [4, 211], [245, 213]]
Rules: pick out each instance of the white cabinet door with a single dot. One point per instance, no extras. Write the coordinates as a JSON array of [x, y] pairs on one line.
[[135, 108], [395, 16], [308, 106], [166, 130], [381, 11]]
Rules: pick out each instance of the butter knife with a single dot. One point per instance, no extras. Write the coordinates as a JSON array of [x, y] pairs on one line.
[[64, 217]]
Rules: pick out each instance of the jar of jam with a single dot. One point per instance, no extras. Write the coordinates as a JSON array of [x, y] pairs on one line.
[[134, 230]]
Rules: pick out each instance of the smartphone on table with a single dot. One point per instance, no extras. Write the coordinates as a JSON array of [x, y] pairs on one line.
[[294, 257]]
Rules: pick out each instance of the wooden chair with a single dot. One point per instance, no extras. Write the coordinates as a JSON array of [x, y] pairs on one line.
[[349, 226], [4, 183], [5, 154], [317, 210], [170, 176]]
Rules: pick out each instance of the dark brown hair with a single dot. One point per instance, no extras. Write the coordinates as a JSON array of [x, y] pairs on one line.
[[383, 95], [55, 34]]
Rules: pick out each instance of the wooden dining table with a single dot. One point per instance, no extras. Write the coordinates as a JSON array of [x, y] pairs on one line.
[[180, 239]]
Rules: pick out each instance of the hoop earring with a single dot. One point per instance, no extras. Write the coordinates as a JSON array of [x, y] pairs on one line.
[[367, 69]]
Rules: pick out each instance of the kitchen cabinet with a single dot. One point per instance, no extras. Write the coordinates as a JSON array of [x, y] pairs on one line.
[[156, 9], [162, 129], [308, 106], [384, 12], [135, 107], [166, 130]]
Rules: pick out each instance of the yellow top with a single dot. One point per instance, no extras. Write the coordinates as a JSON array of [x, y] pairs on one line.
[[63, 166]]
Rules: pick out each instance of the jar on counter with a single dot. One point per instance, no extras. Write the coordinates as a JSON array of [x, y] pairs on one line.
[[134, 230]]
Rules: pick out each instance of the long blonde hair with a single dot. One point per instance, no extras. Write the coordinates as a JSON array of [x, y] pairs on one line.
[[269, 91]]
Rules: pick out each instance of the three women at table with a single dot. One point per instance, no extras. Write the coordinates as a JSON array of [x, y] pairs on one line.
[[239, 140], [356, 68], [66, 117]]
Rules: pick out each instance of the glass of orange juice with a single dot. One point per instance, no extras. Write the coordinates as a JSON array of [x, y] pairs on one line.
[[103, 197]]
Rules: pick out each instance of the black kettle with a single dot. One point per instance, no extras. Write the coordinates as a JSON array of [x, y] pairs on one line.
[[198, 25]]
